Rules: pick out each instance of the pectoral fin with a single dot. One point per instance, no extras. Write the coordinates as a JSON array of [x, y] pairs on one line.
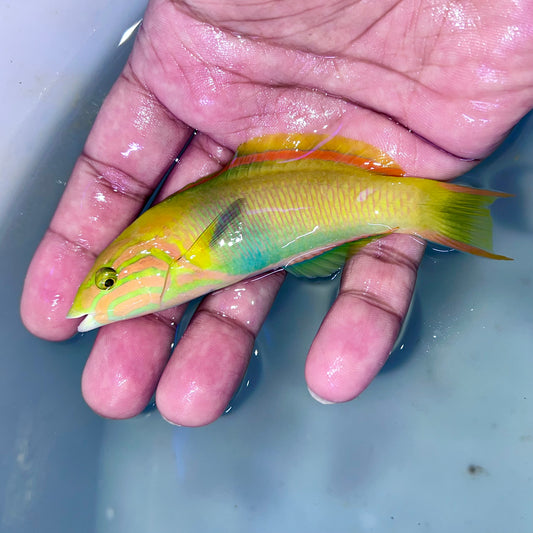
[[214, 243], [321, 266], [329, 263]]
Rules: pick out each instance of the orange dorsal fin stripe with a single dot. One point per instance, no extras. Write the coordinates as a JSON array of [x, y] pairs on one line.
[[295, 146], [287, 147]]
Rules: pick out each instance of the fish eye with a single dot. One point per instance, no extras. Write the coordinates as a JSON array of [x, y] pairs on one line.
[[105, 278]]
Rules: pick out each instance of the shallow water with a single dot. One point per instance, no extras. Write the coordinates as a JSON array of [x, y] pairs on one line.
[[441, 441]]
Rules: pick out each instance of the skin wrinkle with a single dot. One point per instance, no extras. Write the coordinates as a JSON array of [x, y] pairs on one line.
[[389, 255], [129, 186], [312, 89], [309, 64], [373, 300], [370, 27], [386, 255], [292, 30], [395, 120], [228, 369], [177, 67], [223, 24], [231, 321], [190, 78], [74, 246], [413, 96], [318, 22], [129, 76], [436, 39], [160, 317], [410, 99], [126, 186], [144, 35]]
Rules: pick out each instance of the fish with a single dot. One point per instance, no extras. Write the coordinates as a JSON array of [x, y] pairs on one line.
[[300, 202]]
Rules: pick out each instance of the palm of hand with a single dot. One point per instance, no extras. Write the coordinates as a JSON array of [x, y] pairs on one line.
[[455, 75]]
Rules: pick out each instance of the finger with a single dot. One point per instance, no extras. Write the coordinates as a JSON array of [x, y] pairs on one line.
[[133, 141], [210, 360], [204, 156], [126, 363], [359, 332]]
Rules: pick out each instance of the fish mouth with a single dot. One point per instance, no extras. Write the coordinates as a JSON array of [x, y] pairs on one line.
[[87, 324]]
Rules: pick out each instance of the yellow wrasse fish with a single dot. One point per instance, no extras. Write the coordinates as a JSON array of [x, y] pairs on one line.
[[297, 201]]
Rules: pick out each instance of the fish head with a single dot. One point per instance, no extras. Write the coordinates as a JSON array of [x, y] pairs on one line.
[[131, 278], [152, 266]]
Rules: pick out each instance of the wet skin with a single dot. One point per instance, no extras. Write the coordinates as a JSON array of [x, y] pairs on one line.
[[454, 77]]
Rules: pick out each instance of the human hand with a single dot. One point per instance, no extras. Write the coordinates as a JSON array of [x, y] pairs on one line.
[[458, 76]]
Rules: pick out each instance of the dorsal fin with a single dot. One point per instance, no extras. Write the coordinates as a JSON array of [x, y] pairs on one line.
[[283, 147]]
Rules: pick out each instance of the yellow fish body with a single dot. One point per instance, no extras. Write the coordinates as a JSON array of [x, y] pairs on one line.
[[297, 201]]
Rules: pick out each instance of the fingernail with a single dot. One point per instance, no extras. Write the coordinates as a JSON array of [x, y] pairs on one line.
[[316, 397], [170, 421]]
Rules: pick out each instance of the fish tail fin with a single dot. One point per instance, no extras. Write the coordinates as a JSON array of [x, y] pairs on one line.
[[458, 216]]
